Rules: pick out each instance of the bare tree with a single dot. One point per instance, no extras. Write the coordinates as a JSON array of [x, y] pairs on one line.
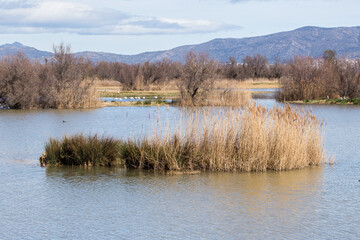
[[72, 91], [276, 70], [301, 80], [256, 66], [348, 79], [196, 77], [19, 82], [231, 69], [330, 56]]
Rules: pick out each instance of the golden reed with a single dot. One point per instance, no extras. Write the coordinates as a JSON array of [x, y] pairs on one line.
[[253, 138]]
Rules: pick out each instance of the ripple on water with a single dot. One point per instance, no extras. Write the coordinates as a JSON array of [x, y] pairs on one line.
[[79, 203]]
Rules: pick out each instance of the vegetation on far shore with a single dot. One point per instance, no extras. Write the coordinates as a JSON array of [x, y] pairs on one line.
[[339, 101], [330, 78], [252, 138], [59, 83], [64, 81]]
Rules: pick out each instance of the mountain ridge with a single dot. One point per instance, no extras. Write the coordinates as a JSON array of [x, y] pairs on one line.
[[304, 41]]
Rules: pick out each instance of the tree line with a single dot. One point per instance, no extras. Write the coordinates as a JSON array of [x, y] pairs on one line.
[[67, 82], [306, 78], [139, 76], [302, 78], [64, 81]]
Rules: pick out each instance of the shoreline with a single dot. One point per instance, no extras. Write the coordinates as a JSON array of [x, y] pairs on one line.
[[354, 102]]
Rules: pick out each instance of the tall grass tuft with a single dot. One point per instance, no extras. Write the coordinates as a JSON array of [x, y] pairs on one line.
[[80, 150], [251, 139]]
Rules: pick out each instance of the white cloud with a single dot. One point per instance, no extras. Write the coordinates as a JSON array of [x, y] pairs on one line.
[[55, 16]]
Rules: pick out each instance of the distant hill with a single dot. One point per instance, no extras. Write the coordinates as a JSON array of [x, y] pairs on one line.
[[306, 41], [30, 52]]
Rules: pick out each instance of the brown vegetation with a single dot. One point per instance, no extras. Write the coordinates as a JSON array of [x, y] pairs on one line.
[[306, 78], [228, 97], [137, 76], [172, 75], [250, 83], [68, 82], [59, 83], [252, 67], [64, 81], [197, 75]]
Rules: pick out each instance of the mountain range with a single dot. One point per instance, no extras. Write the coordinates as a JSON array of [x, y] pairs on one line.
[[305, 41]]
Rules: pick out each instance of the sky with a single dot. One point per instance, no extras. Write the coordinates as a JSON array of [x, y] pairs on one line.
[[135, 26]]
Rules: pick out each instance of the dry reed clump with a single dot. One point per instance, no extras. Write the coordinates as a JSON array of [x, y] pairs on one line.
[[79, 150], [252, 139], [227, 83], [219, 98]]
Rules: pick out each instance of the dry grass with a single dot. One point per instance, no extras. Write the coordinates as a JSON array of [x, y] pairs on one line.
[[80, 95], [252, 139], [246, 84], [171, 85], [219, 98], [106, 83], [229, 98]]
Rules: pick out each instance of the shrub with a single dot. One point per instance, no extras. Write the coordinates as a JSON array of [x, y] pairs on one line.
[[59, 83], [19, 82], [310, 79], [147, 102]]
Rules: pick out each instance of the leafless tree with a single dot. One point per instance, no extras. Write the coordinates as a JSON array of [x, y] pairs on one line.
[[256, 66], [301, 80], [19, 82], [196, 77]]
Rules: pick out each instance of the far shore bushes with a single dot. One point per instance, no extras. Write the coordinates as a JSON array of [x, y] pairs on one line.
[[64, 81], [306, 78], [58, 83], [253, 138]]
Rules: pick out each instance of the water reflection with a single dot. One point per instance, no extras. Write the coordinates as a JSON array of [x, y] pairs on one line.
[[231, 203]]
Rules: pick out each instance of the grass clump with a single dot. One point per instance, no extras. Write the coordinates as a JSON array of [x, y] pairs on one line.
[[147, 102], [80, 150]]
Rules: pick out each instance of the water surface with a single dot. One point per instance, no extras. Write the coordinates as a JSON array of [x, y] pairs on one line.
[[100, 203]]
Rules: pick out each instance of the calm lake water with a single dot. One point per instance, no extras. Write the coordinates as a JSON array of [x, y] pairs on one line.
[[75, 203]]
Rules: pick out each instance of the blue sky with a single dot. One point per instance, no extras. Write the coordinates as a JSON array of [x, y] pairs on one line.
[[134, 26]]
